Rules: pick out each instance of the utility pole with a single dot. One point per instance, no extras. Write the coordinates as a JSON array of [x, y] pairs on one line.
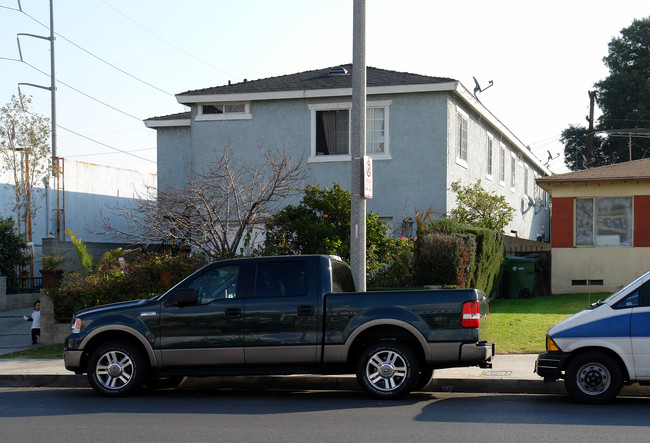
[[358, 147], [590, 136], [52, 89]]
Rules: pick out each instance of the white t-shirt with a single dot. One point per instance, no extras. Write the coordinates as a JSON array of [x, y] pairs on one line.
[[36, 320]]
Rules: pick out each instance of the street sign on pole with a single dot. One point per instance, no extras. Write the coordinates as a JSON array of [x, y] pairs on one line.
[[367, 176]]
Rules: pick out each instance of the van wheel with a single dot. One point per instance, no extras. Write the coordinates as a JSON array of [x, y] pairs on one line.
[[593, 377], [387, 369], [116, 369]]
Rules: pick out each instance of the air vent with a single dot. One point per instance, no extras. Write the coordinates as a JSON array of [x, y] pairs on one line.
[[337, 70]]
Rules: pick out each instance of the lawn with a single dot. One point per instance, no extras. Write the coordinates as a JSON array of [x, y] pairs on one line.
[[519, 326]]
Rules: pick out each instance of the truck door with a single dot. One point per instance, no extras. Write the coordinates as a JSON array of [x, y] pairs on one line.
[[282, 312], [210, 331], [640, 332]]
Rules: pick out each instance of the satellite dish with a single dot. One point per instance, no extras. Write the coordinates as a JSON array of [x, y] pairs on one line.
[[477, 87]]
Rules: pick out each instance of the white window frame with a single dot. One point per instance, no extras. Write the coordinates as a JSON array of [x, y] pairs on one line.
[[489, 146], [462, 116], [246, 115], [315, 107]]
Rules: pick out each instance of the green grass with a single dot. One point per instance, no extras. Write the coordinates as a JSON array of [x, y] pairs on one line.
[[49, 351], [519, 326]]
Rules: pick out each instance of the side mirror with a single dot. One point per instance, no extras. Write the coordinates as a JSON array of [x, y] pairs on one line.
[[183, 297]]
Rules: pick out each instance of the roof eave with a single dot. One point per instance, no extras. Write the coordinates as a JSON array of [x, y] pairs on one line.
[[167, 123]]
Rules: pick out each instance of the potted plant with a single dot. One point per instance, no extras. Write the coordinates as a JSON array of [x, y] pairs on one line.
[[51, 272]]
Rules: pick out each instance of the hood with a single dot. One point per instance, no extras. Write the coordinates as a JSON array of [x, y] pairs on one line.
[[117, 307]]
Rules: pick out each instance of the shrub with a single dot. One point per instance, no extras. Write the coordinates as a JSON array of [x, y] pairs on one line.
[[444, 259], [138, 278], [12, 247], [489, 253], [396, 271]]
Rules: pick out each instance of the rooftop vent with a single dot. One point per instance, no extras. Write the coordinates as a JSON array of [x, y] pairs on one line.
[[337, 70]]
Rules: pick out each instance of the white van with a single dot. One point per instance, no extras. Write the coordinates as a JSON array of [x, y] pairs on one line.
[[597, 350]]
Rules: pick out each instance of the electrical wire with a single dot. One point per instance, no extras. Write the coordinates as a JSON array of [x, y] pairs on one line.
[[81, 92], [101, 59], [165, 40]]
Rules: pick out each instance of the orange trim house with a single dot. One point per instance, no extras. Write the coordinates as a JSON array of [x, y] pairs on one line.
[[600, 226]]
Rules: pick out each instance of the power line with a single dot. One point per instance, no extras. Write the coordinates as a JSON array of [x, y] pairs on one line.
[[82, 93], [97, 141], [101, 59], [165, 40]]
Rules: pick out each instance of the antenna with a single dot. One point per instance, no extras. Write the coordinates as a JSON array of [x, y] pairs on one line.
[[477, 87], [550, 157]]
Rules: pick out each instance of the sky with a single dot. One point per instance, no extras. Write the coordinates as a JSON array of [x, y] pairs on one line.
[[119, 62]]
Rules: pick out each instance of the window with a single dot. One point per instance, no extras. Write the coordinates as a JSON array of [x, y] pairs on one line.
[[502, 160], [281, 279], [513, 172], [224, 111], [331, 130], [342, 280], [525, 180], [461, 138], [216, 283], [489, 156], [603, 221]]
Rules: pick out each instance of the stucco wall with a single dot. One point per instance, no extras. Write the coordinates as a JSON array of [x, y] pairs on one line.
[[615, 266]]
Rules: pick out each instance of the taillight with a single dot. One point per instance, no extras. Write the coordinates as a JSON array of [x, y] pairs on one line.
[[471, 317]]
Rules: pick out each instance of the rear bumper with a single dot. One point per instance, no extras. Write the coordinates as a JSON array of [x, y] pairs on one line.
[[480, 353], [550, 365]]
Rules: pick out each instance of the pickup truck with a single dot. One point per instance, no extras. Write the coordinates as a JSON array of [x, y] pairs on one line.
[[279, 315], [598, 350]]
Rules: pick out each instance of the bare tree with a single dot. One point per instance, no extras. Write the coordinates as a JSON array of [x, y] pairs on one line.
[[214, 210]]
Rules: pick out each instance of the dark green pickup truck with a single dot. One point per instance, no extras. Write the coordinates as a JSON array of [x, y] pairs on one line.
[[279, 315]]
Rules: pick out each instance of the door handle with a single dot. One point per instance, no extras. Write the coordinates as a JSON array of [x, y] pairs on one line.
[[306, 311], [233, 313]]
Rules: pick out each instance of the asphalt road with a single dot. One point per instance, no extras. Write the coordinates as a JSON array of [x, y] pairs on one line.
[[39, 414], [15, 332]]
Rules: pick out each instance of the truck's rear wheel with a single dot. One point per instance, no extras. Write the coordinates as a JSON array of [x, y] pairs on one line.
[[116, 368], [593, 377], [387, 369]]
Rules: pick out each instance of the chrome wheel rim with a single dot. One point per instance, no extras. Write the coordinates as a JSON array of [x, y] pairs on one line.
[[114, 369], [386, 370], [593, 378]]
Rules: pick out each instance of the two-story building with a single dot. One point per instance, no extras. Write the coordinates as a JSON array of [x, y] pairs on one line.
[[422, 132]]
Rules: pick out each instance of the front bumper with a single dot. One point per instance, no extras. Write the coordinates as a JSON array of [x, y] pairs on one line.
[[72, 361], [550, 365]]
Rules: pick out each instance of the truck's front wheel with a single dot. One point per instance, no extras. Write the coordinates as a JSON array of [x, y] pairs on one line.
[[387, 369], [593, 377], [116, 369]]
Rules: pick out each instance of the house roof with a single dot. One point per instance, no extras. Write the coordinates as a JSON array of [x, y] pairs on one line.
[[319, 79], [180, 119], [636, 170]]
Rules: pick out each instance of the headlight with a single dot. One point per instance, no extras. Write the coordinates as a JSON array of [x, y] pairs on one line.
[[76, 325], [550, 345]]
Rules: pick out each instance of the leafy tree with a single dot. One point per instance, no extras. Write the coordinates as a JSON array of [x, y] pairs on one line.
[[320, 224], [25, 139], [217, 207], [624, 99], [12, 247], [480, 208]]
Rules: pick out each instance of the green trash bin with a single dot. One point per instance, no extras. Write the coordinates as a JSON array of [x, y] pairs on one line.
[[519, 277]]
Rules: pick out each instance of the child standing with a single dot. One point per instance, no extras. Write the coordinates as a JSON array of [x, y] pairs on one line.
[[35, 318]]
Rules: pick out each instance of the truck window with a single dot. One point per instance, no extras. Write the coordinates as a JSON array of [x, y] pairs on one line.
[[216, 283], [281, 279], [342, 280]]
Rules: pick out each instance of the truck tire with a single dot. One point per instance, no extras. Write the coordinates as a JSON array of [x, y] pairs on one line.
[[116, 369], [387, 369], [423, 379], [593, 377]]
